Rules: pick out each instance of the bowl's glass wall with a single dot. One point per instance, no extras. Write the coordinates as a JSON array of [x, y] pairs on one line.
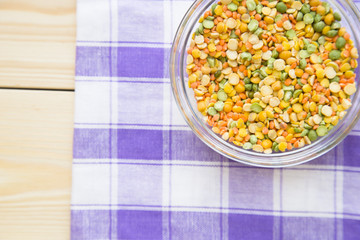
[[187, 104]]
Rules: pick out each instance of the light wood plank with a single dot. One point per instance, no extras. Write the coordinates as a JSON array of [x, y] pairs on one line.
[[37, 43], [36, 129]]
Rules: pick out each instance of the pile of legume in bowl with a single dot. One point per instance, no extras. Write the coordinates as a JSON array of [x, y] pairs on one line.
[[271, 75]]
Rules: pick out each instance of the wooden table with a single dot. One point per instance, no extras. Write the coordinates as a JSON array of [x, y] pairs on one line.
[[37, 59]]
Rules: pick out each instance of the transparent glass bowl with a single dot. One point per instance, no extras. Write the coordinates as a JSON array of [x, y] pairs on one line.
[[185, 100]]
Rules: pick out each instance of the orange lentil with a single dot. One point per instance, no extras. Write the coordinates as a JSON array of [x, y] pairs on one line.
[[243, 117], [234, 15], [322, 100], [305, 76], [327, 92], [252, 13], [325, 56], [265, 130], [236, 116], [202, 61], [329, 39], [305, 99], [289, 146], [319, 88], [346, 53], [262, 24], [242, 95], [346, 36], [248, 45], [288, 82]]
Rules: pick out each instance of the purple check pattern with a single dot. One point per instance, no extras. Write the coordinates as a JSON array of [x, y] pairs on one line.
[[140, 173]]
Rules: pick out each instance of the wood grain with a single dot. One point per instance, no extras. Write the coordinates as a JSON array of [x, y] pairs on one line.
[[37, 51], [35, 164], [37, 43]]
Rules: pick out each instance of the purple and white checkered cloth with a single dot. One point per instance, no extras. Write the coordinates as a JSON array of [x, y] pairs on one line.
[[140, 173]]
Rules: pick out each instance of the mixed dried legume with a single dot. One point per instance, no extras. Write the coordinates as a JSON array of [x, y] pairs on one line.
[[272, 75]]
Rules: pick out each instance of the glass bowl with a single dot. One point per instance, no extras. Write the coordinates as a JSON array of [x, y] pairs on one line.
[[186, 102]]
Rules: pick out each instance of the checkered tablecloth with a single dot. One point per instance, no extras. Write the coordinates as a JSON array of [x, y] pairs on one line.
[[140, 173]]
